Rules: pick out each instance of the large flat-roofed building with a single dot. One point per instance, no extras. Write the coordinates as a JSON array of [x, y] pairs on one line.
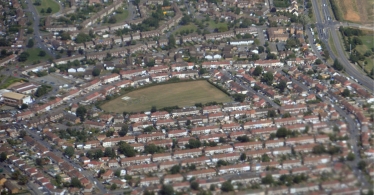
[[15, 99], [26, 88]]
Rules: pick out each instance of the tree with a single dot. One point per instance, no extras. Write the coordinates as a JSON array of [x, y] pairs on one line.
[[65, 36], [42, 11], [212, 187], [361, 165], [166, 190], [346, 93], [227, 186], [81, 112], [243, 157], [123, 131], [22, 133], [175, 169], [150, 149], [113, 186], [3, 157], [281, 86], [30, 30], [126, 149], [42, 53], [23, 179], [49, 10], [74, 182], [351, 156], [261, 49], [268, 179], [239, 97], [23, 56], [69, 151], [58, 179], [30, 43], [337, 65], [112, 20], [281, 132], [265, 158], [109, 153], [96, 72], [39, 162], [318, 61], [272, 113], [82, 37], [318, 149], [257, 71], [193, 143], [267, 78], [243, 138], [153, 109], [194, 185], [221, 163]]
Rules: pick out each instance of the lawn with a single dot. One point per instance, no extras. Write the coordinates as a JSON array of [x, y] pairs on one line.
[[181, 94], [214, 25], [34, 56], [45, 4], [9, 81], [183, 29], [122, 16], [368, 43]]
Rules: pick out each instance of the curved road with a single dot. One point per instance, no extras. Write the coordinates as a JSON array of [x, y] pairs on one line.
[[330, 26]]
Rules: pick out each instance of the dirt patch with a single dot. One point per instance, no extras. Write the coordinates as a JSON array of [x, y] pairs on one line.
[[14, 84], [360, 11]]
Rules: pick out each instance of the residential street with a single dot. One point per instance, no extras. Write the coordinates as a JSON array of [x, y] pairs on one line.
[[330, 26]]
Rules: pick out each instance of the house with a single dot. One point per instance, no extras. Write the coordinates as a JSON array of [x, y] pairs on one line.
[[218, 149], [201, 173], [187, 153], [237, 168], [173, 178], [111, 78], [108, 174], [147, 181]]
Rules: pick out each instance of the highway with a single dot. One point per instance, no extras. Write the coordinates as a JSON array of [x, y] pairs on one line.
[[331, 26]]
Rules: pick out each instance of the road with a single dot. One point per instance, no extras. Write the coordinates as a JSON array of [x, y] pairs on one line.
[[352, 127], [37, 36], [330, 26], [240, 82]]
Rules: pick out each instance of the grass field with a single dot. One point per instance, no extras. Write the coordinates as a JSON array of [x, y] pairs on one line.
[[122, 16], [9, 81], [214, 25], [180, 94], [34, 56], [185, 28], [368, 43], [359, 11], [45, 4]]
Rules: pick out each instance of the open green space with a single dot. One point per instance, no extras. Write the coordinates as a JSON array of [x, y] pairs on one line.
[[184, 29], [120, 16], [165, 95], [34, 56], [332, 45], [367, 44], [9, 81], [214, 25], [45, 4]]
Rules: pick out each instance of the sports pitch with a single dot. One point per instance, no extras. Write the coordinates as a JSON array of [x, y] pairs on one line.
[[180, 94]]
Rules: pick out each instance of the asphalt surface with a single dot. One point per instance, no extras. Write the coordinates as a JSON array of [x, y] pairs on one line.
[[37, 36], [330, 26]]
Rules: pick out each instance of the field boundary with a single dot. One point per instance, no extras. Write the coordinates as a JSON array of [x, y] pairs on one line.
[[107, 103]]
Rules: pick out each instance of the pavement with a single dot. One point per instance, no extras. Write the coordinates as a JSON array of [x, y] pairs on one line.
[[326, 24]]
